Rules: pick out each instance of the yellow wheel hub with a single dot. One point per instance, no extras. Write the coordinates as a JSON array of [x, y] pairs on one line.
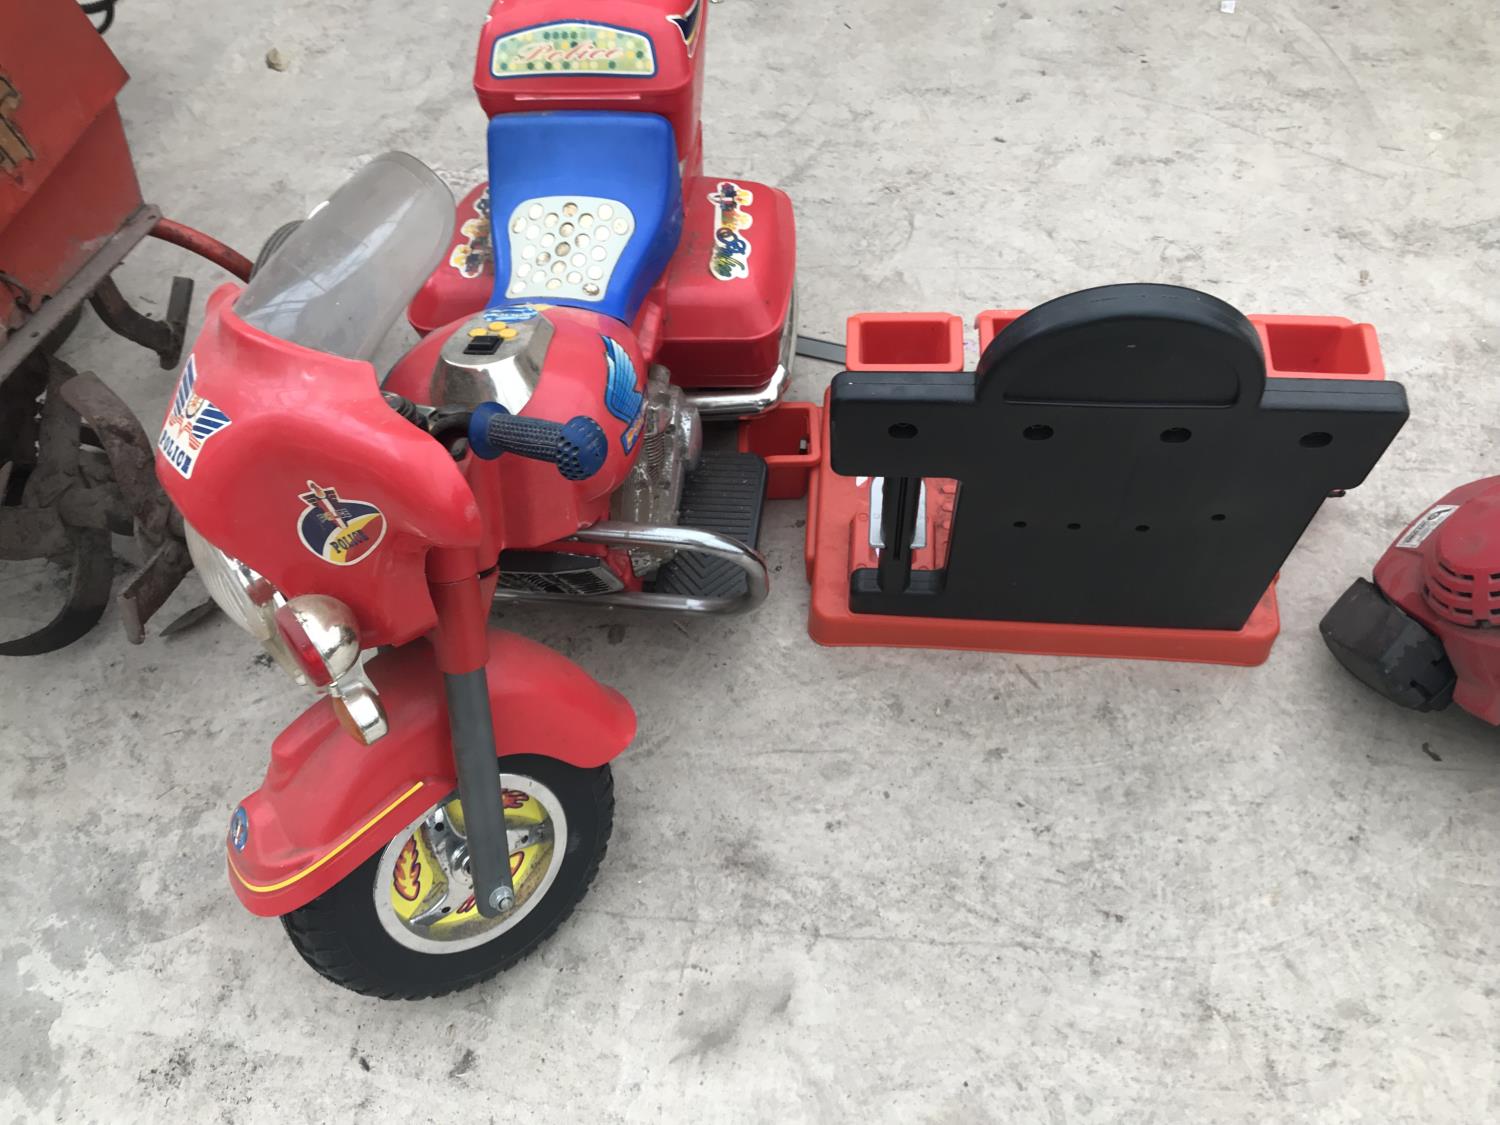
[[423, 892]]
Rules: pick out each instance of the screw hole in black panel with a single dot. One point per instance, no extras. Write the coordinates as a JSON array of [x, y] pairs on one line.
[[1037, 433], [1218, 517], [1316, 440], [903, 430], [1176, 435], [1074, 526], [1019, 523], [1143, 527]]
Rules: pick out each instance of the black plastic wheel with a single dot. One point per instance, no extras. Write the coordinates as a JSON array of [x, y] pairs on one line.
[[341, 935], [1388, 650], [274, 243]]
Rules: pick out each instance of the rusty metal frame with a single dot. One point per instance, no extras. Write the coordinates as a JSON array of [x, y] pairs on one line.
[[44, 320], [73, 502]]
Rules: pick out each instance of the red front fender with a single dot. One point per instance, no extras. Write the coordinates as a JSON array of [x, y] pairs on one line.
[[328, 803]]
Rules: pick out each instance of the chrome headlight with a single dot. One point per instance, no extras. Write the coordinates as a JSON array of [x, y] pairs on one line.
[[313, 637], [246, 598]]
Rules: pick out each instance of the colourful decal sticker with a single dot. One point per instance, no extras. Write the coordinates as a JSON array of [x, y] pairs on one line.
[[690, 23], [731, 252], [513, 314], [477, 255], [191, 421], [406, 879], [239, 829], [13, 145], [338, 531], [621, 396], [554, 49]]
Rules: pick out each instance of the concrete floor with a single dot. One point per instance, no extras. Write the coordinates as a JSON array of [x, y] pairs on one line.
[[853, 885]]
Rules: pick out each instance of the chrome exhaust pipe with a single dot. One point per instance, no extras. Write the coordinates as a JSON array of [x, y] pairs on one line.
[[661, 539], [747, 404], [719, 405]]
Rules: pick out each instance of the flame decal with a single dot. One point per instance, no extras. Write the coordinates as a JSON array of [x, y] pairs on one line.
[[406, 880]]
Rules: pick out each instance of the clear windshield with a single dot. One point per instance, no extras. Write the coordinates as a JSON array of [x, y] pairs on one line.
[[339, 282]]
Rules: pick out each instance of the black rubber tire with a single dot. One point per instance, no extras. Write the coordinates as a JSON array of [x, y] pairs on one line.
[[274, 243], [339, 935]]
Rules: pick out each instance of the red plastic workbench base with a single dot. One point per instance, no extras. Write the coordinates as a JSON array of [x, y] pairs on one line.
[[834, 503], [795, 443]]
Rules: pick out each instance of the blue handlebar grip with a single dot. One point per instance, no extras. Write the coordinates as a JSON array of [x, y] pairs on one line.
[[578, 448]]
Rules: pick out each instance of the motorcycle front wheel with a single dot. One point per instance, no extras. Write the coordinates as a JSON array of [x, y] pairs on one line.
[[403, 925]]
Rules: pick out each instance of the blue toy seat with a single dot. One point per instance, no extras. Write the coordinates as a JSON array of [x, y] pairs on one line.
[[586, 208]]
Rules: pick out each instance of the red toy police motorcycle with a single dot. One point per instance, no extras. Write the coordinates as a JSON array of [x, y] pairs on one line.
[[534, 443]]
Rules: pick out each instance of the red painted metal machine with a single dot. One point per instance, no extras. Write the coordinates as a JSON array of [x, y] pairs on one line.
[[1423, 632], [77, 469]]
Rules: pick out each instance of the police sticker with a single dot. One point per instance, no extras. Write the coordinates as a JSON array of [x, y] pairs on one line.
[[191, 421], [559, 50], [341, 532], [621, 398], [239, 829]]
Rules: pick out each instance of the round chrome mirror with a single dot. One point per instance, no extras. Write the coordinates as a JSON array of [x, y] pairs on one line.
[[322, 635]]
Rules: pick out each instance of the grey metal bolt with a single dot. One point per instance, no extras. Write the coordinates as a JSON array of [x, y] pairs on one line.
[[503, 898]]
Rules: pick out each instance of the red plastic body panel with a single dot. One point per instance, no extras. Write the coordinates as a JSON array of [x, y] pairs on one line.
[[1465, 552], [722, 332], [528, 503], [328, 803], [299, 418], [576, 72], [66, 178], [838, 529]]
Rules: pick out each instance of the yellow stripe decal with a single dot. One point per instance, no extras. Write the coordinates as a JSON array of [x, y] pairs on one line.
[[267, 888]]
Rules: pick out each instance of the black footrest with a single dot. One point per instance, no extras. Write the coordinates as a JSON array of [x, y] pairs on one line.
[[724, 495]]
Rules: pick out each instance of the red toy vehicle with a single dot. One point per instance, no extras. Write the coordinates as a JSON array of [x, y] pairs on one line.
[[329, 517], [1423, 633]]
